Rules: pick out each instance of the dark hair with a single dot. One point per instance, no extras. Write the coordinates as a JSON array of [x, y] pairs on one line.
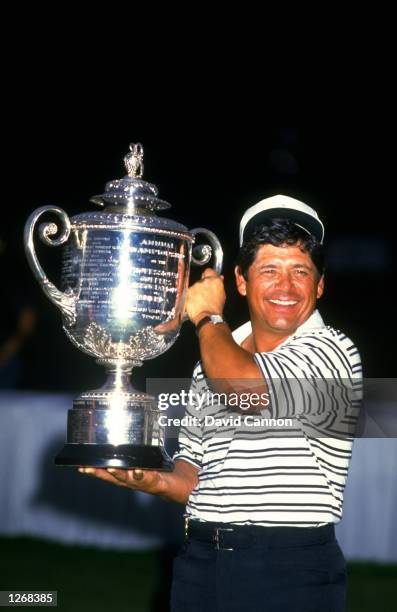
[[278, 232]]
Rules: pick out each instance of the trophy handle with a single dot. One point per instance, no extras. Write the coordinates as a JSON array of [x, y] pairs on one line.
[[65, 301], [203, 253]]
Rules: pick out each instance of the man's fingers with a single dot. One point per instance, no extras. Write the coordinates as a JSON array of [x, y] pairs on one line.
[[109, 475], [137, 474], [136, 479], [208, 272], [127, 475], [121, 475]]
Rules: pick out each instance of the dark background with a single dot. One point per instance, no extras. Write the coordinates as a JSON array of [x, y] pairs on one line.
[[210, 172]]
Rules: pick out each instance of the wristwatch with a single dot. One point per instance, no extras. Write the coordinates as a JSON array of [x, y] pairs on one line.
[[215, 319]]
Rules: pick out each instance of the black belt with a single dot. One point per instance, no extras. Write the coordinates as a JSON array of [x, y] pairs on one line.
[[228, 536]]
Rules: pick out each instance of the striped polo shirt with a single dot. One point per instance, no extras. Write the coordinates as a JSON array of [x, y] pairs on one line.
[[288, 466]]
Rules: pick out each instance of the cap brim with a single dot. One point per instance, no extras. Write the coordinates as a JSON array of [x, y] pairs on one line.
[[307, 222]]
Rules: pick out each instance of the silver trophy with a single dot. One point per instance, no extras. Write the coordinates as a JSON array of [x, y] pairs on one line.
[[125, 275]]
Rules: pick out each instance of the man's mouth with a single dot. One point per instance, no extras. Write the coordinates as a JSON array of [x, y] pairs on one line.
[[284, 302]]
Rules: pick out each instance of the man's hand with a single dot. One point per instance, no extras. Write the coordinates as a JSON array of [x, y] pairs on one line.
[[148, 481], [172, 486], [207, 296]]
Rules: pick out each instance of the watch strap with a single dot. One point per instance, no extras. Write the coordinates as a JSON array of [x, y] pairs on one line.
[[214, 319]]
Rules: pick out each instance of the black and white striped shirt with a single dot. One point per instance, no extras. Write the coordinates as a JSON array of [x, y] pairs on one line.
[[272, 476]]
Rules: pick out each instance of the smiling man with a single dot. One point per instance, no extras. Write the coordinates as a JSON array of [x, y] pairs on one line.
[[260, 504], [281, 287]]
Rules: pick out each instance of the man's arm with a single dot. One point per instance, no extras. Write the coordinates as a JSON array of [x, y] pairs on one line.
[[172, 486], [222, 358]]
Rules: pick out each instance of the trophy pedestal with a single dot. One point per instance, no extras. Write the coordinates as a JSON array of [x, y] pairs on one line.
[[123, 456], [115, 427]]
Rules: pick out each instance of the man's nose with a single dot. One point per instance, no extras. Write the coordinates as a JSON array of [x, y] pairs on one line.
[[284, 281]]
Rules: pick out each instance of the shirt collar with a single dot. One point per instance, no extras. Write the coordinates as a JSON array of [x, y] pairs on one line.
[[315, 321]]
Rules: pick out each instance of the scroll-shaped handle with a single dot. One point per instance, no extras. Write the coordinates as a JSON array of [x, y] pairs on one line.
[[202, 254], [66, 301]]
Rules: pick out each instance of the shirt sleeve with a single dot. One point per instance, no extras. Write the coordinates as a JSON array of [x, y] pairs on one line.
[[190, 435], [315, 378]]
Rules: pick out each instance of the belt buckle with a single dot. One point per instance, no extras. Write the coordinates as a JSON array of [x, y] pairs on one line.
[[186, 527], [218, 545]]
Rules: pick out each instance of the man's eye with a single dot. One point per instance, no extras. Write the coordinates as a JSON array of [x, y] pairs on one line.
[[301, 272]]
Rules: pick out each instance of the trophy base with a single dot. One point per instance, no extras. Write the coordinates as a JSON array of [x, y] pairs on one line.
[[122, 456]]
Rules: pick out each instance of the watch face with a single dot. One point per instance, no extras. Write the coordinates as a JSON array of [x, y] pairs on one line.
[[216, 319]]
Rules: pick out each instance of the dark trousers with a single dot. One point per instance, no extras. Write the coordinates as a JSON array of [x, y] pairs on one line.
[[275, 569]]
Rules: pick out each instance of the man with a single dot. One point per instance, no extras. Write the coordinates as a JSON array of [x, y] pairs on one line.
[[261, 503]]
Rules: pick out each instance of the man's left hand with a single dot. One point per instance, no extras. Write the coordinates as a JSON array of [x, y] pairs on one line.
[[207, 296]]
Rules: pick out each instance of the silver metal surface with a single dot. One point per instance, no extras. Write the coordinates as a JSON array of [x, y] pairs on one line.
[[125, 274], [66, 301], [202, 254], [133, 161]]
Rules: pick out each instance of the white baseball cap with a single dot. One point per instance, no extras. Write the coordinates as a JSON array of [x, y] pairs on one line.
[[281, 207]]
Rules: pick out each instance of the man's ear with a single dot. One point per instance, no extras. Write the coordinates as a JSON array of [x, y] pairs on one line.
[[320, 287], [240, 281]]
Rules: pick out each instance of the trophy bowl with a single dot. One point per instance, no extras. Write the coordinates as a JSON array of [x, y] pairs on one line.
[[125, 274]]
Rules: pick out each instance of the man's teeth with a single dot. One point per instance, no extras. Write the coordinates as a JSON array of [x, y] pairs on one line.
[[284, 302]]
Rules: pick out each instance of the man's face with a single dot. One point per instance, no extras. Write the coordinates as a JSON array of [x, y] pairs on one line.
[[282, 288]]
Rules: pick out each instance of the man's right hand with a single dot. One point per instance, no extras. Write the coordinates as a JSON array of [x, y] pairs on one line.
[[148, 481], [172, 486]]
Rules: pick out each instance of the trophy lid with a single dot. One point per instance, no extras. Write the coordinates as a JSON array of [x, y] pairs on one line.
[[131, 203], [132, 192]]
